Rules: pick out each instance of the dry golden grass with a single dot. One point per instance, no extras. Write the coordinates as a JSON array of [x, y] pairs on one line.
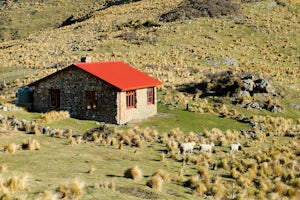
[[108, 185], [48, 195], [11, 148], [165, 176], [134, 173], [155, 182], [91, 170], [54, 115], [71, 190], [17, 183], [31, 144], [3, 168]]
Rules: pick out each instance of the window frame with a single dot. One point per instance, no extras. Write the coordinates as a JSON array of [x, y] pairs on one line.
[[54, 98], [150, 96], [91, 100], [131, 99]]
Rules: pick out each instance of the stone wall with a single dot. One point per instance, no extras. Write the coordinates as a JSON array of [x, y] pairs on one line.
[[73, 83]]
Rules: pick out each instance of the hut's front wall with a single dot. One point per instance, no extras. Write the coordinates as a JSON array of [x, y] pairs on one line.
[[73, 84]]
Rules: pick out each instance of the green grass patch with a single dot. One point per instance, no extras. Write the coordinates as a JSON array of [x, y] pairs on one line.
[[21, 114], [168, 119], [78, 126]]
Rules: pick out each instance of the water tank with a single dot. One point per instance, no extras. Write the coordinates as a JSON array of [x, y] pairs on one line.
[[25, 95]]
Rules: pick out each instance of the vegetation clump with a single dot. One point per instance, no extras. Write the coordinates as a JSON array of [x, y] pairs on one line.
[[71, 190], [189, 9], [55, 115], [134, 173]]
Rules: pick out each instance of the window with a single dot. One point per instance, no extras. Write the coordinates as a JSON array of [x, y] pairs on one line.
[[150, 95], [131, 99], [54, 98], [91, 100]]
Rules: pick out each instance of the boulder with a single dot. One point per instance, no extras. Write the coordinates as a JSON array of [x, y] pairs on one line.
[[248, 84], [263, 86]]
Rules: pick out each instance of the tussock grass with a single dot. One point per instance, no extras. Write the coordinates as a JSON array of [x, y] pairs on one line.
[[109, 185], [48, 195], [17, 183], [3, 168], [91, 170], [54, 115], [134, 173], [155, 182], [71, 190], [31, 144], [165, 176]]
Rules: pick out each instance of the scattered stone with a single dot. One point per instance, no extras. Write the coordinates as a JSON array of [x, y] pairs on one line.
[[211, 62], [263, 86], [230, 61], [243, 93], [276, 109], [254, 105], [248, 85]]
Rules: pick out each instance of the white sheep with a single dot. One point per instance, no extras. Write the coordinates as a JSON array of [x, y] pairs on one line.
[[187, 147], [207, 147], [234, 147]]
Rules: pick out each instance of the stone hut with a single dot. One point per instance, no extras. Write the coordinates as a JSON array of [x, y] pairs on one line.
[[111, 92]]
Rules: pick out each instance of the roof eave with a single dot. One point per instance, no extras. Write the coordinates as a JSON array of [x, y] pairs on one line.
[[140, 87]]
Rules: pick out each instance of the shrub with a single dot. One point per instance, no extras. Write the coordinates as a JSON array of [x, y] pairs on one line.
[[134, 173]]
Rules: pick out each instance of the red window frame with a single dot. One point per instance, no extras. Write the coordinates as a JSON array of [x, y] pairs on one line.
[[54, 98], [131, 99], [91, 100], [150, 96]]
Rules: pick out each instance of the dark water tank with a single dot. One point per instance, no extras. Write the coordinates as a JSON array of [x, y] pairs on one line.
[[25, 95]]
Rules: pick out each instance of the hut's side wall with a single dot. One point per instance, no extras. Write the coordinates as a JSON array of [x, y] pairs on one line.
[[143, 110]]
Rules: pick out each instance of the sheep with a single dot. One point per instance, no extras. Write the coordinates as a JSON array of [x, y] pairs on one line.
[[234, 147], [207, 147], [187, 147]]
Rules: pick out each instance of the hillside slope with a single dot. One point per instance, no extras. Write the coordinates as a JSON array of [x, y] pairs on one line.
[[261, 39]]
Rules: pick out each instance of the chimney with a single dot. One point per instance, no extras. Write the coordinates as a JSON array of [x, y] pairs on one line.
[[86, 59]]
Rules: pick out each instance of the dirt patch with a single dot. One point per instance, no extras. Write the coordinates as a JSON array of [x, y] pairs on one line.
[[143, 194]]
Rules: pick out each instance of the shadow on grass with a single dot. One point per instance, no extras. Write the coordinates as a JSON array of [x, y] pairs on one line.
[[114, 176]]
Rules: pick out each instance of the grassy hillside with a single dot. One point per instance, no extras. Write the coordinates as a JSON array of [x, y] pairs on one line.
[[261, 39]]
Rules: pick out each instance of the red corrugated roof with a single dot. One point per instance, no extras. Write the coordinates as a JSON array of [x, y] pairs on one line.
[[119, 75]]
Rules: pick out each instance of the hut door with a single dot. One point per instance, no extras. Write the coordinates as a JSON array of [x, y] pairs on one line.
[[54, 98]]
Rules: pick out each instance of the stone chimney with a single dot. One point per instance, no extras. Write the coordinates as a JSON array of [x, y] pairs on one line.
[[86, 59]]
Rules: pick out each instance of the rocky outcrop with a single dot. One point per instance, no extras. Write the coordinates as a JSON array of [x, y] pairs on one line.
[[249, 90]]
